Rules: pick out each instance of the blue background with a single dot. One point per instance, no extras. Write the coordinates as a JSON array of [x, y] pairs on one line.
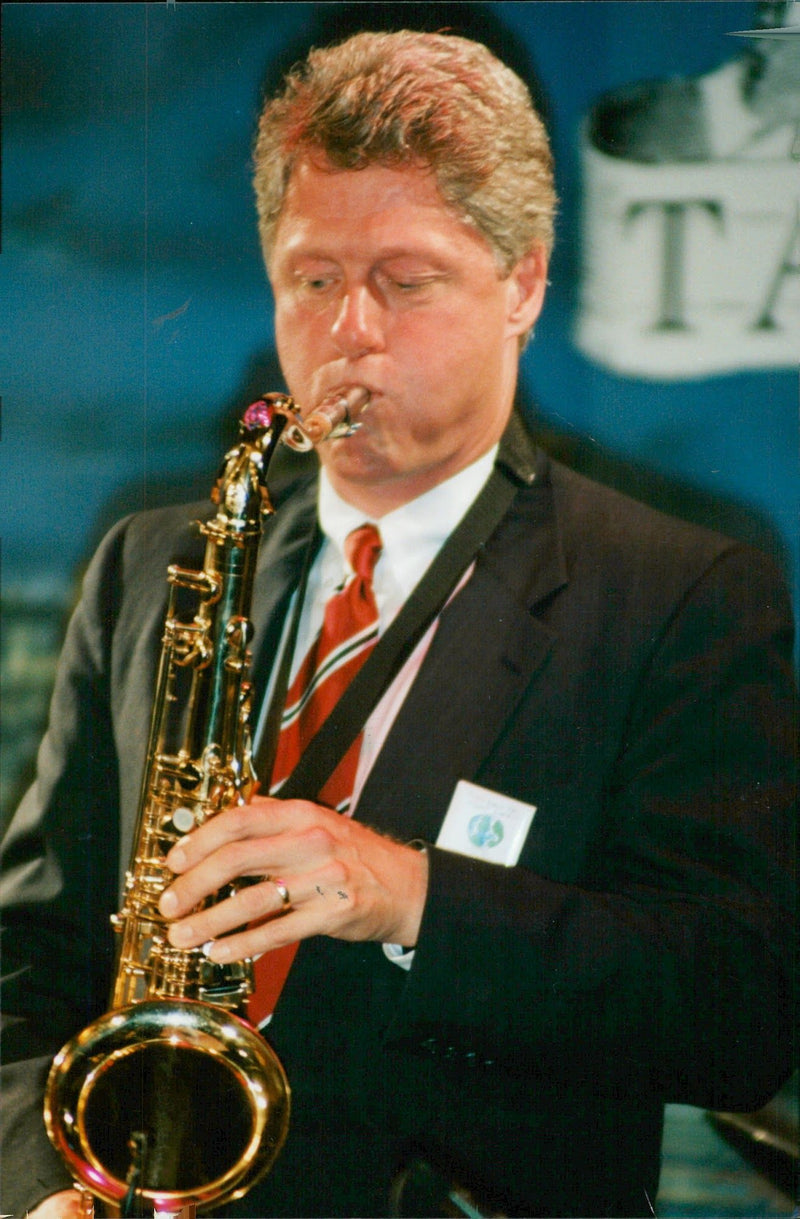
[[136, 314]]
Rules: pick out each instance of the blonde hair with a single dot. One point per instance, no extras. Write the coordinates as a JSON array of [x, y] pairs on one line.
[[410, 98]]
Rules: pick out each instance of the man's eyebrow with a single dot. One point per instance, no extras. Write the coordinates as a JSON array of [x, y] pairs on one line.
[[298, 248]]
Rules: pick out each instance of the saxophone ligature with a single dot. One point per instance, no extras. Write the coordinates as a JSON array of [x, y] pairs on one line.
[[171, 1101]]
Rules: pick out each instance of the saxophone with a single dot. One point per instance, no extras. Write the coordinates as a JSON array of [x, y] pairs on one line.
[[172, 1100]]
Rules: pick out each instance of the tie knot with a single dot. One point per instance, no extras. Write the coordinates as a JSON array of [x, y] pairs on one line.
[[361, 548]]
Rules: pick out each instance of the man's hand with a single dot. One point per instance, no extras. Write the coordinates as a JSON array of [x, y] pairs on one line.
[[344, 880], [64, 1205]]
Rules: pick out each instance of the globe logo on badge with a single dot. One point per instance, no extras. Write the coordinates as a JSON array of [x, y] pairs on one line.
[[482, 831]]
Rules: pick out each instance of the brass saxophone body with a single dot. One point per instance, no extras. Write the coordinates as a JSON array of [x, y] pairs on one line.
[[172, 1099]]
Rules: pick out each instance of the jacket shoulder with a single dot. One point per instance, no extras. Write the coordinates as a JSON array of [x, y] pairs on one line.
[[622, 552], [608, 522]]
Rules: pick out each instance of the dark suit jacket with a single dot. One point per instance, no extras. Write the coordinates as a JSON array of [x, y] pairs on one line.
[[626, 673]]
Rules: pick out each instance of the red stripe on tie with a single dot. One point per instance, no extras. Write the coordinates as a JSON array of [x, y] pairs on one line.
[[348, 635]]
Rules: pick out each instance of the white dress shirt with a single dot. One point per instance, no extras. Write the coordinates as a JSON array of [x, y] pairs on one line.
[[412, 536]]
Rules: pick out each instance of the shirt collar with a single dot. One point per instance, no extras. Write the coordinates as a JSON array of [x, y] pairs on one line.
[[413, 533]]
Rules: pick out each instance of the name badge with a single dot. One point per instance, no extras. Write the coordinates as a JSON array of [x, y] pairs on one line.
[[485, 824]]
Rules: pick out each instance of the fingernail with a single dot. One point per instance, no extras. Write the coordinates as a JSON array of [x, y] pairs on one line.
[[168, 903], [217, 951], [176, 859]]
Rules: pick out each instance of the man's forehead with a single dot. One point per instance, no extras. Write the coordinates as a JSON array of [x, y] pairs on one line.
[[316, 185], [399, 207]]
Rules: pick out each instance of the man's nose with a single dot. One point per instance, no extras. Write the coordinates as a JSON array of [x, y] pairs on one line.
[[358, 326]]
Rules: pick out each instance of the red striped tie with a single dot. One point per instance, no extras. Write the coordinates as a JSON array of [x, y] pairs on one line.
[[349, 633]]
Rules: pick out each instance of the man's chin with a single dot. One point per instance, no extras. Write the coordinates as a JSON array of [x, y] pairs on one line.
[[354, 459]]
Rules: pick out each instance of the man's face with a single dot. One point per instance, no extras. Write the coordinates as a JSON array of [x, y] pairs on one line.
[[379, 283]]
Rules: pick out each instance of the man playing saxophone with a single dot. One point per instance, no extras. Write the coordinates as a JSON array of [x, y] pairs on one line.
[[555, 892]]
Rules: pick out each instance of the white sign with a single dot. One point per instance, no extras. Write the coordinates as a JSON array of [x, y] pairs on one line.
[[690, 262]]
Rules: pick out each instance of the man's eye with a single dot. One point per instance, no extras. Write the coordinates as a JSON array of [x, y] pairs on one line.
[[313, 282], [409, 287]]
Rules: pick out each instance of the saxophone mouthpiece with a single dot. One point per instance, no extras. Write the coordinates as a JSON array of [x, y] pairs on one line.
[[335, 415]]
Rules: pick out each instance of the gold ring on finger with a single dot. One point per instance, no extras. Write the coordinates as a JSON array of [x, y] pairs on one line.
[[283, 893]]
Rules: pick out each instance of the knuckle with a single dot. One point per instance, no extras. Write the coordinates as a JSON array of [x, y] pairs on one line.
[[319, 839], [338, 874]]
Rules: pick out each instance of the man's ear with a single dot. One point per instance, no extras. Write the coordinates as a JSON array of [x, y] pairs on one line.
[[526, 284]]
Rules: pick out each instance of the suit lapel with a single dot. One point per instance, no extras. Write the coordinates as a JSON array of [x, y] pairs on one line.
[[284, 545], [488, 647]]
